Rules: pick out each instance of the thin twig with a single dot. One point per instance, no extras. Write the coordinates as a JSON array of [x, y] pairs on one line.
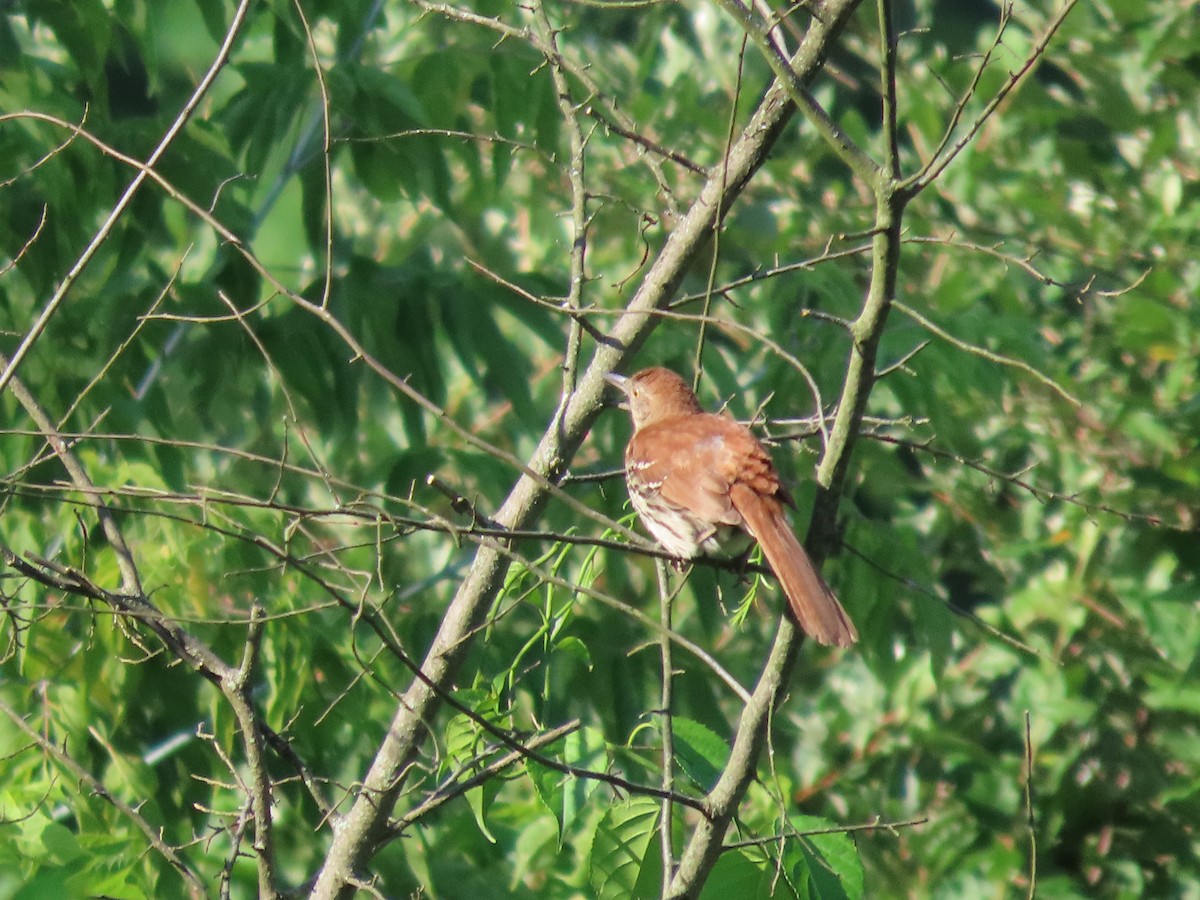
[[610, 110], [850, 153], [32, 239], [704, 848], [326, 147], [454, 788], [1030, 820], [1016, 479], [989, 355], [576, 175], [874, 825], [257, 785], [715, 253], [666, 727]]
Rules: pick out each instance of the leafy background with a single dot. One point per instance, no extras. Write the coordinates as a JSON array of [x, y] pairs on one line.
[[1018, 541]]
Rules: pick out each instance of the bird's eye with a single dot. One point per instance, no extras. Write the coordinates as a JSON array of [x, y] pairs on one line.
[[635, 392]]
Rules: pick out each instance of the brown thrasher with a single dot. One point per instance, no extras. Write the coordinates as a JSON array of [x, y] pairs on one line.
[[696, 479]]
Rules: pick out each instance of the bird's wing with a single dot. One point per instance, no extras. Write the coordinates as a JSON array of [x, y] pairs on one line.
[[705, 456]]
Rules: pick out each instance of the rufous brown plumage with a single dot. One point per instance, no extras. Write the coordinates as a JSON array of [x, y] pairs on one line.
[[697, 479]]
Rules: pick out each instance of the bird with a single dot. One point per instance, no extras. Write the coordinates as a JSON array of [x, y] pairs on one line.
[[700, 480]]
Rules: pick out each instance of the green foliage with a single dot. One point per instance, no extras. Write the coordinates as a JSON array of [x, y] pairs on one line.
[[277, 345]]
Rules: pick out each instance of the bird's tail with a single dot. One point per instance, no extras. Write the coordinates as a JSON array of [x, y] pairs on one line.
[[816, 608]]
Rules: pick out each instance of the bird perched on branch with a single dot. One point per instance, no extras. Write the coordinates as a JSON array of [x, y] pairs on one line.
[[697, 479]]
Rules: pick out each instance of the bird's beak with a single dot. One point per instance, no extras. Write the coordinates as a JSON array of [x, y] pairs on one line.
[[621, 383]]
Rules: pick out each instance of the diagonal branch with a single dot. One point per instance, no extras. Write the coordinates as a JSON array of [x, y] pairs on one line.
[[794, 82]]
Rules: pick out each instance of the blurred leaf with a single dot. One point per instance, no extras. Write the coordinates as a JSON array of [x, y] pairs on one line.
[[281, 235], [255, 126], [46, 884], [60, 844]]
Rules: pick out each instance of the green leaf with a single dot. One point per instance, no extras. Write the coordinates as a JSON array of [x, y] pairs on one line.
[[281, 235], [735, 875], [469, 322], [700, 751], [85, 30], [623, 848], [480, 800], [46, 884], [574, 648], [566, 796], [835, 871], [61, 845]]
